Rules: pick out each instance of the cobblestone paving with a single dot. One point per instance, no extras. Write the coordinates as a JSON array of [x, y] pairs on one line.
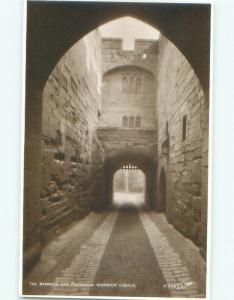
[[128, 267], [126, 246], [59, 253], [79, 277], [189, 253], [176, 274]]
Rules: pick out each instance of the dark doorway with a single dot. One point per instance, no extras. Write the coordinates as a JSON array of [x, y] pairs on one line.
[[162, 192]]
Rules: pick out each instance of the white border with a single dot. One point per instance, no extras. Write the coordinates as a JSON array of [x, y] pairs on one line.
[[111, 297], [23, 100], [210, 166], [136, 1], [210, 158]]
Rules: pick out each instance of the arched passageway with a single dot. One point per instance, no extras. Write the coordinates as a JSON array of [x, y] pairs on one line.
[[143, 162], [69, 23]]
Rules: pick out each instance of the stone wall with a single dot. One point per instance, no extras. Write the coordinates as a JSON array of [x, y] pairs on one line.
[[129, 85], [128, 92], [72, 156], [118, 140], [181, 139], [144, 55]]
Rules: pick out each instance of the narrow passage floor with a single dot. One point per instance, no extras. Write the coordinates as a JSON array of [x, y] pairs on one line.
[[124, 252]]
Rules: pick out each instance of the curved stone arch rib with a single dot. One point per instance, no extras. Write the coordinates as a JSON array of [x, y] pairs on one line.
[[189, 25], [128, 66], [142, 159]]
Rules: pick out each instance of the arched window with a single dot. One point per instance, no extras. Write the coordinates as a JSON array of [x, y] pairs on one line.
[[138, 122], [131, 122], [125, 121], [132, 85], [125, 84], [138, 85]]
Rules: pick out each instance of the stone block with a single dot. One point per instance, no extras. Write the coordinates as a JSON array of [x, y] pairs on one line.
[[197, 153], [194, 189], [196, 173], [55, 197], [196, 203]]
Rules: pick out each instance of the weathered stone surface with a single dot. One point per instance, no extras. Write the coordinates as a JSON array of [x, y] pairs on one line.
[[71, 154], [179, 96], [117, 139], [129, 85], [144, 55]]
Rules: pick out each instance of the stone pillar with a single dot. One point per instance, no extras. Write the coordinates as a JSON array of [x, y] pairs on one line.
[[31, 218]]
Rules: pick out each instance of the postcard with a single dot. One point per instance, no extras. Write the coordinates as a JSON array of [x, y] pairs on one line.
[[116, 150]]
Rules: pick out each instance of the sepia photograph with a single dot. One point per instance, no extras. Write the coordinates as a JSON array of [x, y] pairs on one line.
[[116, 150]]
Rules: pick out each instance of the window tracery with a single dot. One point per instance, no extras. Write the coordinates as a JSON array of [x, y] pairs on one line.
[[131, 84], [131, 122]]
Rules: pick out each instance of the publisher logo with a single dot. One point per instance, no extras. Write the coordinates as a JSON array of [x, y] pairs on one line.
[[178, 286]]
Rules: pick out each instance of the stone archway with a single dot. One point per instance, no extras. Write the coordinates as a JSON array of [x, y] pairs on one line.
[[69, 22], [139, 159], [72, 21], [133, 64]]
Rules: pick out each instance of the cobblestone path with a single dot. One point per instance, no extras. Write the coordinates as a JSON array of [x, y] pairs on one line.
[[128, 264], [127, 253], [79, 277], [175, 273]]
